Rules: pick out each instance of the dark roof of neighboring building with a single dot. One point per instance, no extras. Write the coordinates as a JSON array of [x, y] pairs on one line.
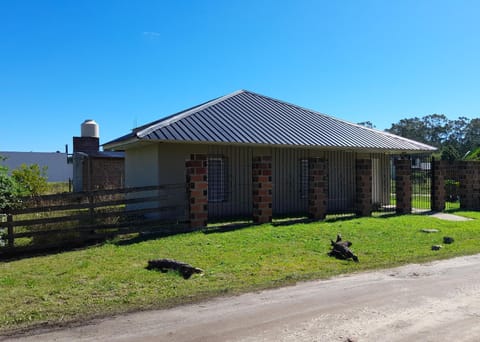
[[107, 154], [244, 117]]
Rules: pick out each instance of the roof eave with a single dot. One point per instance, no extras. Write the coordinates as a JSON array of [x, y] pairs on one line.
[[427, 150], [120, 145]]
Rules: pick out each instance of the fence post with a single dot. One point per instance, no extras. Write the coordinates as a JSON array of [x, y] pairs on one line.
[[91, 207], [11, 240]]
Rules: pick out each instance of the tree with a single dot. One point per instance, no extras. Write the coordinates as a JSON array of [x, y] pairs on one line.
[[9, 190], [31, 179], [449, 152], [435, 129], [456, 134], [413, 128], [454, 138], [368, 124], [472, 135]]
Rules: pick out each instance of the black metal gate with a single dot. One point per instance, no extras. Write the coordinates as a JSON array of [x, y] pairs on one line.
[[452, 187], [421, 183]]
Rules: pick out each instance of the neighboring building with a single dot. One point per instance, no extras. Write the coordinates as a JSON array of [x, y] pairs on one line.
[[94, 169], [58, 169], [234, 132]]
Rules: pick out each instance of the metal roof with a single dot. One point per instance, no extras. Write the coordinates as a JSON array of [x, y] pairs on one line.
[[244, 117]]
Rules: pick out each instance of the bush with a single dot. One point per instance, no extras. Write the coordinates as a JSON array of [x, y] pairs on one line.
[[9, 189], [31, 179]]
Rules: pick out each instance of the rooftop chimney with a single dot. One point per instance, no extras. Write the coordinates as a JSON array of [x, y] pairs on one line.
[[89, 142]]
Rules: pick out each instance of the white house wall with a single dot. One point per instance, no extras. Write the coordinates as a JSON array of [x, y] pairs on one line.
[[164, 164], [58, 170], [341, 180], [142, 166]]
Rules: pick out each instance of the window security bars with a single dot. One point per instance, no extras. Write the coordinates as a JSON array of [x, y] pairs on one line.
[[304, 178], [217, 180]]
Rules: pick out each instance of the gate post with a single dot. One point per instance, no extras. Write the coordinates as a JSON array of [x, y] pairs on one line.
[[403, 185], [317, 188], [197, 188], [438, 168]]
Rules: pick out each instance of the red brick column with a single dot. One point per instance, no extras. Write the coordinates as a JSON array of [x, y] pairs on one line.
[[262, 189], [197, 187], [438, 193], [317, 188], [403, 185], [363, 179], [469, 189]]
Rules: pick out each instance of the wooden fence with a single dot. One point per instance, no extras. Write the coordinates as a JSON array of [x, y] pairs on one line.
[[73, 218]]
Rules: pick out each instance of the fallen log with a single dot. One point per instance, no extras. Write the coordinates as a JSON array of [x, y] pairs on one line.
[[163, 265], [341, 250]]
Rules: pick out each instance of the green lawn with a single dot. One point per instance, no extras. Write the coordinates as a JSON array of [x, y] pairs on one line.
[[112, 278]]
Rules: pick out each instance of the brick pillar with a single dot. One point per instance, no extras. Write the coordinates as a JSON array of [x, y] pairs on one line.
[[363, 179], [262, 189], [403, 185], [438, 168], [317, 188], [469, 189], [197, 187]]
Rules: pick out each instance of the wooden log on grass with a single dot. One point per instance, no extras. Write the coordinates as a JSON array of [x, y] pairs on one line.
[[163, 265], [341, 249]]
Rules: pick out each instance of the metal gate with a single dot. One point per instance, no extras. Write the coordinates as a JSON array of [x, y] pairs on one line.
[[421, 183]]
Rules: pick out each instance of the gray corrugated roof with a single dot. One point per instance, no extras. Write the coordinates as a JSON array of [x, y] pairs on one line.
[[248, 118]]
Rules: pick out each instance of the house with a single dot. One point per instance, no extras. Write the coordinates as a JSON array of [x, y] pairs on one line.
[[256, 154]]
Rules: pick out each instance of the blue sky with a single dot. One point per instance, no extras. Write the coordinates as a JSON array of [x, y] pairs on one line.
[[126, 63]]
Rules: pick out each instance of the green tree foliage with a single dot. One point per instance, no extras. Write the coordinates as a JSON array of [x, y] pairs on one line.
[[450, 153], [472, 135], [9, 190], [31, 179], [473, 155], [454, 138], [368, 124], [412, 128]]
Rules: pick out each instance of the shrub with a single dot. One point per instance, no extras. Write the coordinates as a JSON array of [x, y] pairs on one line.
[[31, 179], [9, 189]]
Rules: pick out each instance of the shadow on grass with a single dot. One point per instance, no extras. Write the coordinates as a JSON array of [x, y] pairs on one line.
[[155, 233], [125, 239], [8, 255]]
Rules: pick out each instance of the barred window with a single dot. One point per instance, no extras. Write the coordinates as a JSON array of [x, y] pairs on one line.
[[217, 179], [304, 178]]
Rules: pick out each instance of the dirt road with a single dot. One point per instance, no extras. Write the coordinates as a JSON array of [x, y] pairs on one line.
[[438, 301]]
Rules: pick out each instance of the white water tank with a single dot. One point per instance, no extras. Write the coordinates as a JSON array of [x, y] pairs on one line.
[[89, 129]]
